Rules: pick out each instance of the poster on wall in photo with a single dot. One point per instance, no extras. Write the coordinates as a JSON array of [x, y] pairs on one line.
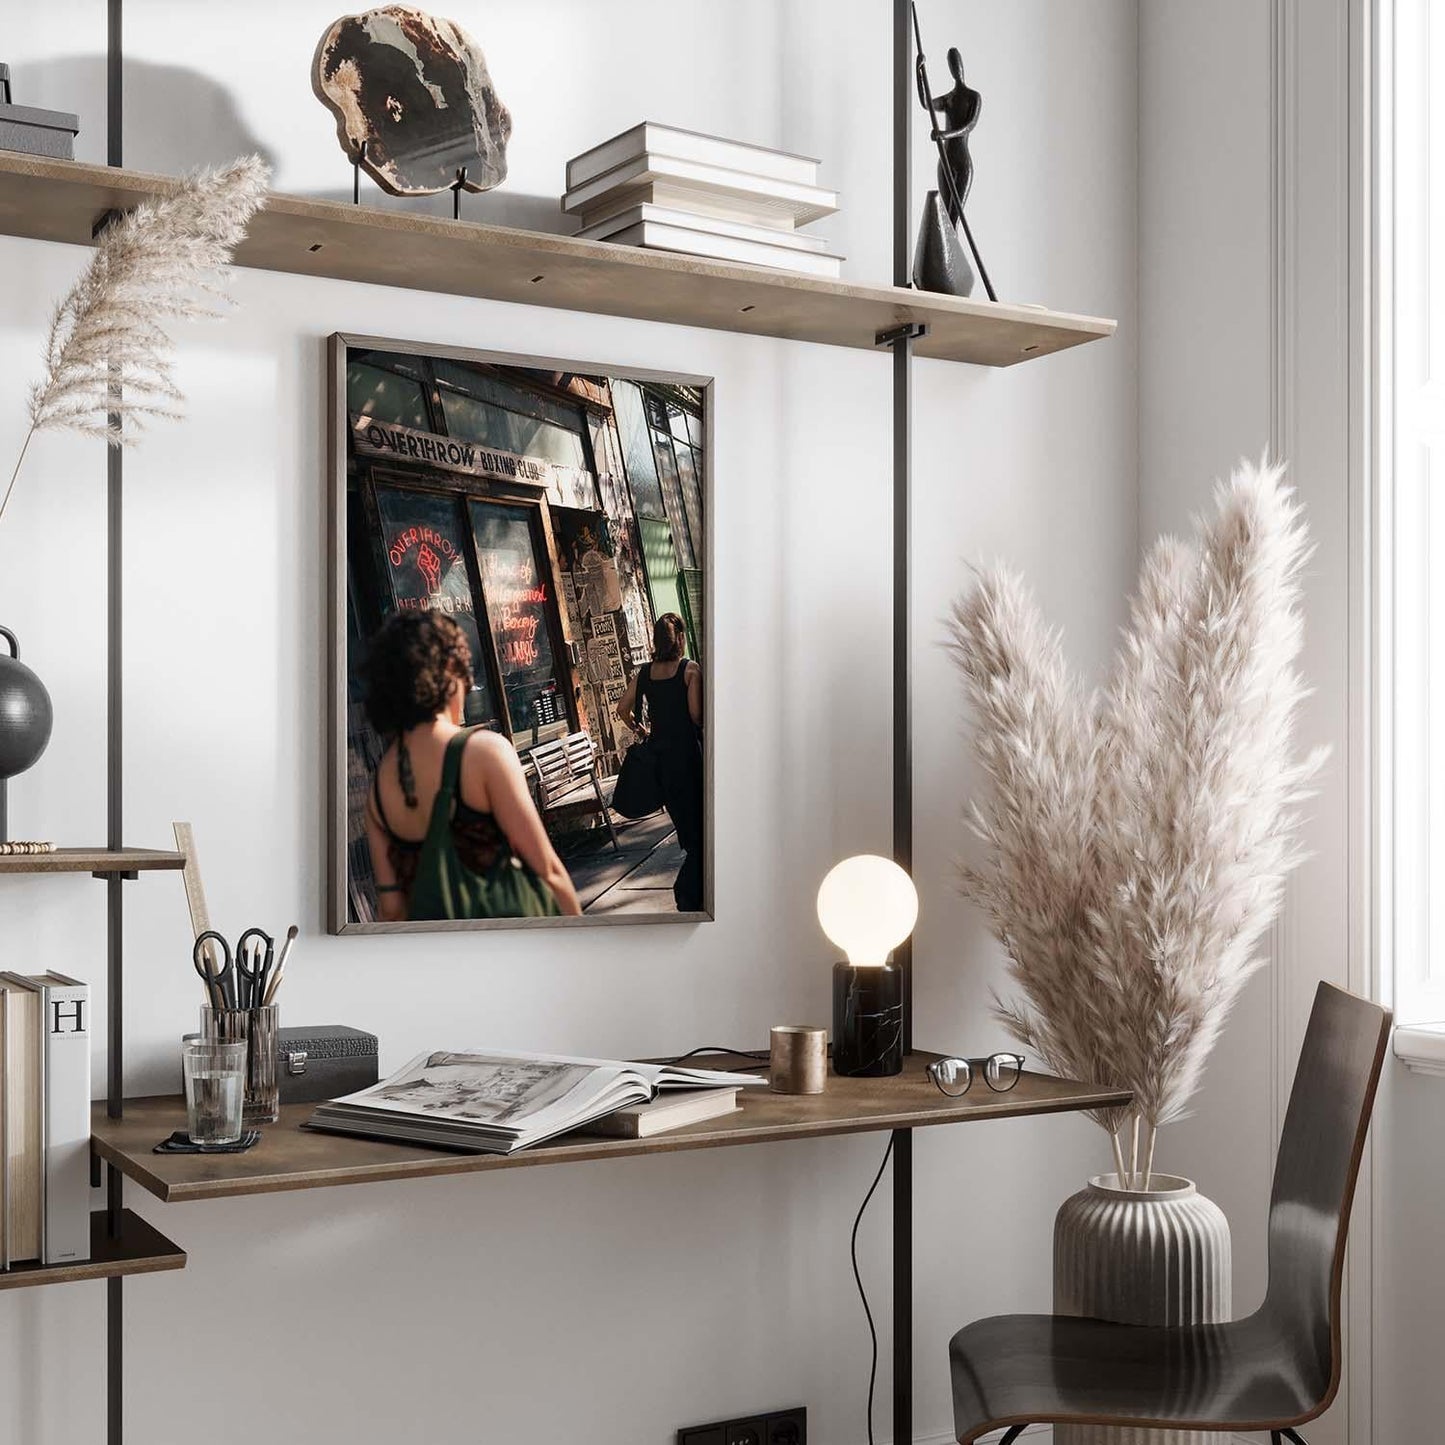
[[508, 618]]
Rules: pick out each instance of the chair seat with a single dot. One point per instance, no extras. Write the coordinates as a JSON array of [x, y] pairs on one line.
[[1040, 1369]]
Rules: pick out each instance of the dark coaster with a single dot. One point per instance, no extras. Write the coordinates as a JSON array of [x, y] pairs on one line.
[[180, 1143]]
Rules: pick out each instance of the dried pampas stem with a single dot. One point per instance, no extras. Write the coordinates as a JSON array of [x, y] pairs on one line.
[[1136, 843], [108, 367], [1120, 1173]]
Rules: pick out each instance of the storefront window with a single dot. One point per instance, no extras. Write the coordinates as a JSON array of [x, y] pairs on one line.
[[687, 471], [637, 450], [518, 600], [672, 493], [426, 565], [510, 419], [386, 395]]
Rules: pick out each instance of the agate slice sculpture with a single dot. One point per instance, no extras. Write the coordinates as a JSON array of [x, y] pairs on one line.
[[413, 101]]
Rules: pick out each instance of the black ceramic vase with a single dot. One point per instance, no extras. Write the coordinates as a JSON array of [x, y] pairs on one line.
[[25, 719], [867, 1020], [939, 260]]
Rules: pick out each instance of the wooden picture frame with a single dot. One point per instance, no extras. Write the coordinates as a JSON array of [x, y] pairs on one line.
[[370, 464]]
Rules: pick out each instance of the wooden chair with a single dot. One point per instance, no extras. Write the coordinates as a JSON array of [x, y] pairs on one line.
[[1274, 1371], [566, 776]]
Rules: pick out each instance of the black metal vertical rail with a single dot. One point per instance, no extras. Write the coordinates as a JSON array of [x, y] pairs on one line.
[[902, 344], [114, 822]]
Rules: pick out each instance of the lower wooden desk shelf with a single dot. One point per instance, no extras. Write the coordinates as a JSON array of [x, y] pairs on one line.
[[289, 1157], [138, 1249]]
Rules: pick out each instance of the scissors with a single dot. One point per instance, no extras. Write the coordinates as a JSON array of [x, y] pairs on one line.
[[220, 982], [255, 953]]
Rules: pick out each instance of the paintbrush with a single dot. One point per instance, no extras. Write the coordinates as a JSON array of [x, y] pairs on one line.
[[291, 934]]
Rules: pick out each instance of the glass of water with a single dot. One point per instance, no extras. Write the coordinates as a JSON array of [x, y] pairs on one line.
[[215, 1089]]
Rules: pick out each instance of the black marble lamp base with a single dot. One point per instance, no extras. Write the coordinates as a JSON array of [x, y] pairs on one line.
[[867, 1021]]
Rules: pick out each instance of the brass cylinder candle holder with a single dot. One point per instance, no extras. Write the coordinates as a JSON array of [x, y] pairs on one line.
[[798, 1059]]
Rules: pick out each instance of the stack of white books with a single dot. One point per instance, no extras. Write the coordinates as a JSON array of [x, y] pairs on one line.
[[674, 190]]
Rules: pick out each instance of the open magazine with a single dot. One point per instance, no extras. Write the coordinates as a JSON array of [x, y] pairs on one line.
[[494, 1103]]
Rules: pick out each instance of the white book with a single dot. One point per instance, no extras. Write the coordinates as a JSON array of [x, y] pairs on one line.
[[67, 1118], [4, 1134], [25, 1120], [725, 248], [704, 206], [690, 145], [755, 198], [604, 229]]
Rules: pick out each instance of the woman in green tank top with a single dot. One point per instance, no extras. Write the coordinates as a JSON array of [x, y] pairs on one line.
[[450, 822]]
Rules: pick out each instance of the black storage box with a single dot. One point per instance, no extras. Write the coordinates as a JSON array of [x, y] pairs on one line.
[[324, 1062], [36, 132]]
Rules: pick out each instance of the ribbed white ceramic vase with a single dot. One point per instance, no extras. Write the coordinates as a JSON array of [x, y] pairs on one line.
[[1140, 1257]]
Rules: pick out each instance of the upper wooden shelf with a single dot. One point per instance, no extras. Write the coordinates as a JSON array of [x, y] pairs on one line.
[[289, 1157], [138, 1248], [92, 860], [62, 200]]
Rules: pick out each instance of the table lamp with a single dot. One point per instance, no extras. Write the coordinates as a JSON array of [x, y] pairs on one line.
[[867, 905]]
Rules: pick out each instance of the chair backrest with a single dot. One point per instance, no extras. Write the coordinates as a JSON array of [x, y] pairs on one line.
[[561, 761], [1314, 1179]]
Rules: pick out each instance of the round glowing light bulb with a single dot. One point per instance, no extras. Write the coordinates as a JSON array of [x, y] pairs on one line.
[[867, 906]]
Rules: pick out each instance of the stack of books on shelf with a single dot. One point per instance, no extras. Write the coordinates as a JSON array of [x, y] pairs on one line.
[[673, 190], [44, 1120]]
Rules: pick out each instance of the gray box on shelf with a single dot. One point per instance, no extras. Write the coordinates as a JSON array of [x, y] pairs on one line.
[[36, 132], [324, 1062]]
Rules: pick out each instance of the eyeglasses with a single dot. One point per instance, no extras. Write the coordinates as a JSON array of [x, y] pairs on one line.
[[954, 1077]]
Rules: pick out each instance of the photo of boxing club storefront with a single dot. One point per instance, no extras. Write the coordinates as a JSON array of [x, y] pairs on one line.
[[555, 517]]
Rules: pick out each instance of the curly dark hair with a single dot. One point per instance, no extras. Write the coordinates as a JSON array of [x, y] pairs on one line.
[[414, 662]]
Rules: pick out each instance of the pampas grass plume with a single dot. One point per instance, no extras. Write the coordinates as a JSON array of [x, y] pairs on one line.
[[108, 355], [1136, 843]]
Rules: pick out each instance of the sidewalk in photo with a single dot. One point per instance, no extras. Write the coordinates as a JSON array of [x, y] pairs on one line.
[[638, 879]]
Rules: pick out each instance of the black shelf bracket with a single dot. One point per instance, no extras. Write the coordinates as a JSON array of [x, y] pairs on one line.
[[909, 331]]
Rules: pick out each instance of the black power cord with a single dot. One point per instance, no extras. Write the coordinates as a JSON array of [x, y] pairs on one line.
[[858, 1280], [857, 1221], [718, 1049]]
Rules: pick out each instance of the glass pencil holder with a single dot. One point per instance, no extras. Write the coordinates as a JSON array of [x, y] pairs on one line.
[[256, 1027]]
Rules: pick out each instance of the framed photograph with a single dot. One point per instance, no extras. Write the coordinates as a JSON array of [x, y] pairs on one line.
[[519, 603]]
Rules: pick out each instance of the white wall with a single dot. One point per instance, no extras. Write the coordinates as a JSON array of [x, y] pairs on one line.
[[616, 1301], [1248, 254]]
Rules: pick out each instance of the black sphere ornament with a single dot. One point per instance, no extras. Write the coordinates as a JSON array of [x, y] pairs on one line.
[[26, 718]]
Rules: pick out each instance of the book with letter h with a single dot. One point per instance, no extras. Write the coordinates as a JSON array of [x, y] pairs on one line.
[[44, 1119]]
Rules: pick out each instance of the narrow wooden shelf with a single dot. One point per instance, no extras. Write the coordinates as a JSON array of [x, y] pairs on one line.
[[62, 200], [140, 1249], [289, 1157], [93, 860]]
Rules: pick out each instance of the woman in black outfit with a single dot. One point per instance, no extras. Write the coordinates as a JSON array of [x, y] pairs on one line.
[[671, 685]]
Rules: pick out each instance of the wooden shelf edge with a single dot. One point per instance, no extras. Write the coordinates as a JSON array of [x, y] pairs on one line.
[[57, 200], [94, 860], [320, 1161], [140, 1249]]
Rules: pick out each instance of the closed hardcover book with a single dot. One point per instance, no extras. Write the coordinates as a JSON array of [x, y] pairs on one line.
[[665, 180], [67, 1118], [24, 1119], [689, 145], [726, 248], [4, 1132], [664, 1113], [608, 227]]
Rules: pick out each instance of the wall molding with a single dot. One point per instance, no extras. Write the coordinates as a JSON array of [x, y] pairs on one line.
[[1321, 58]]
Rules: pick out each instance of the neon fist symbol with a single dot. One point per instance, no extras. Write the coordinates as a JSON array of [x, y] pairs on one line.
[[431, 568]]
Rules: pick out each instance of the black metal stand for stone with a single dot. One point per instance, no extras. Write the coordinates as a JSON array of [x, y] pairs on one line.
[[358, 155]]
